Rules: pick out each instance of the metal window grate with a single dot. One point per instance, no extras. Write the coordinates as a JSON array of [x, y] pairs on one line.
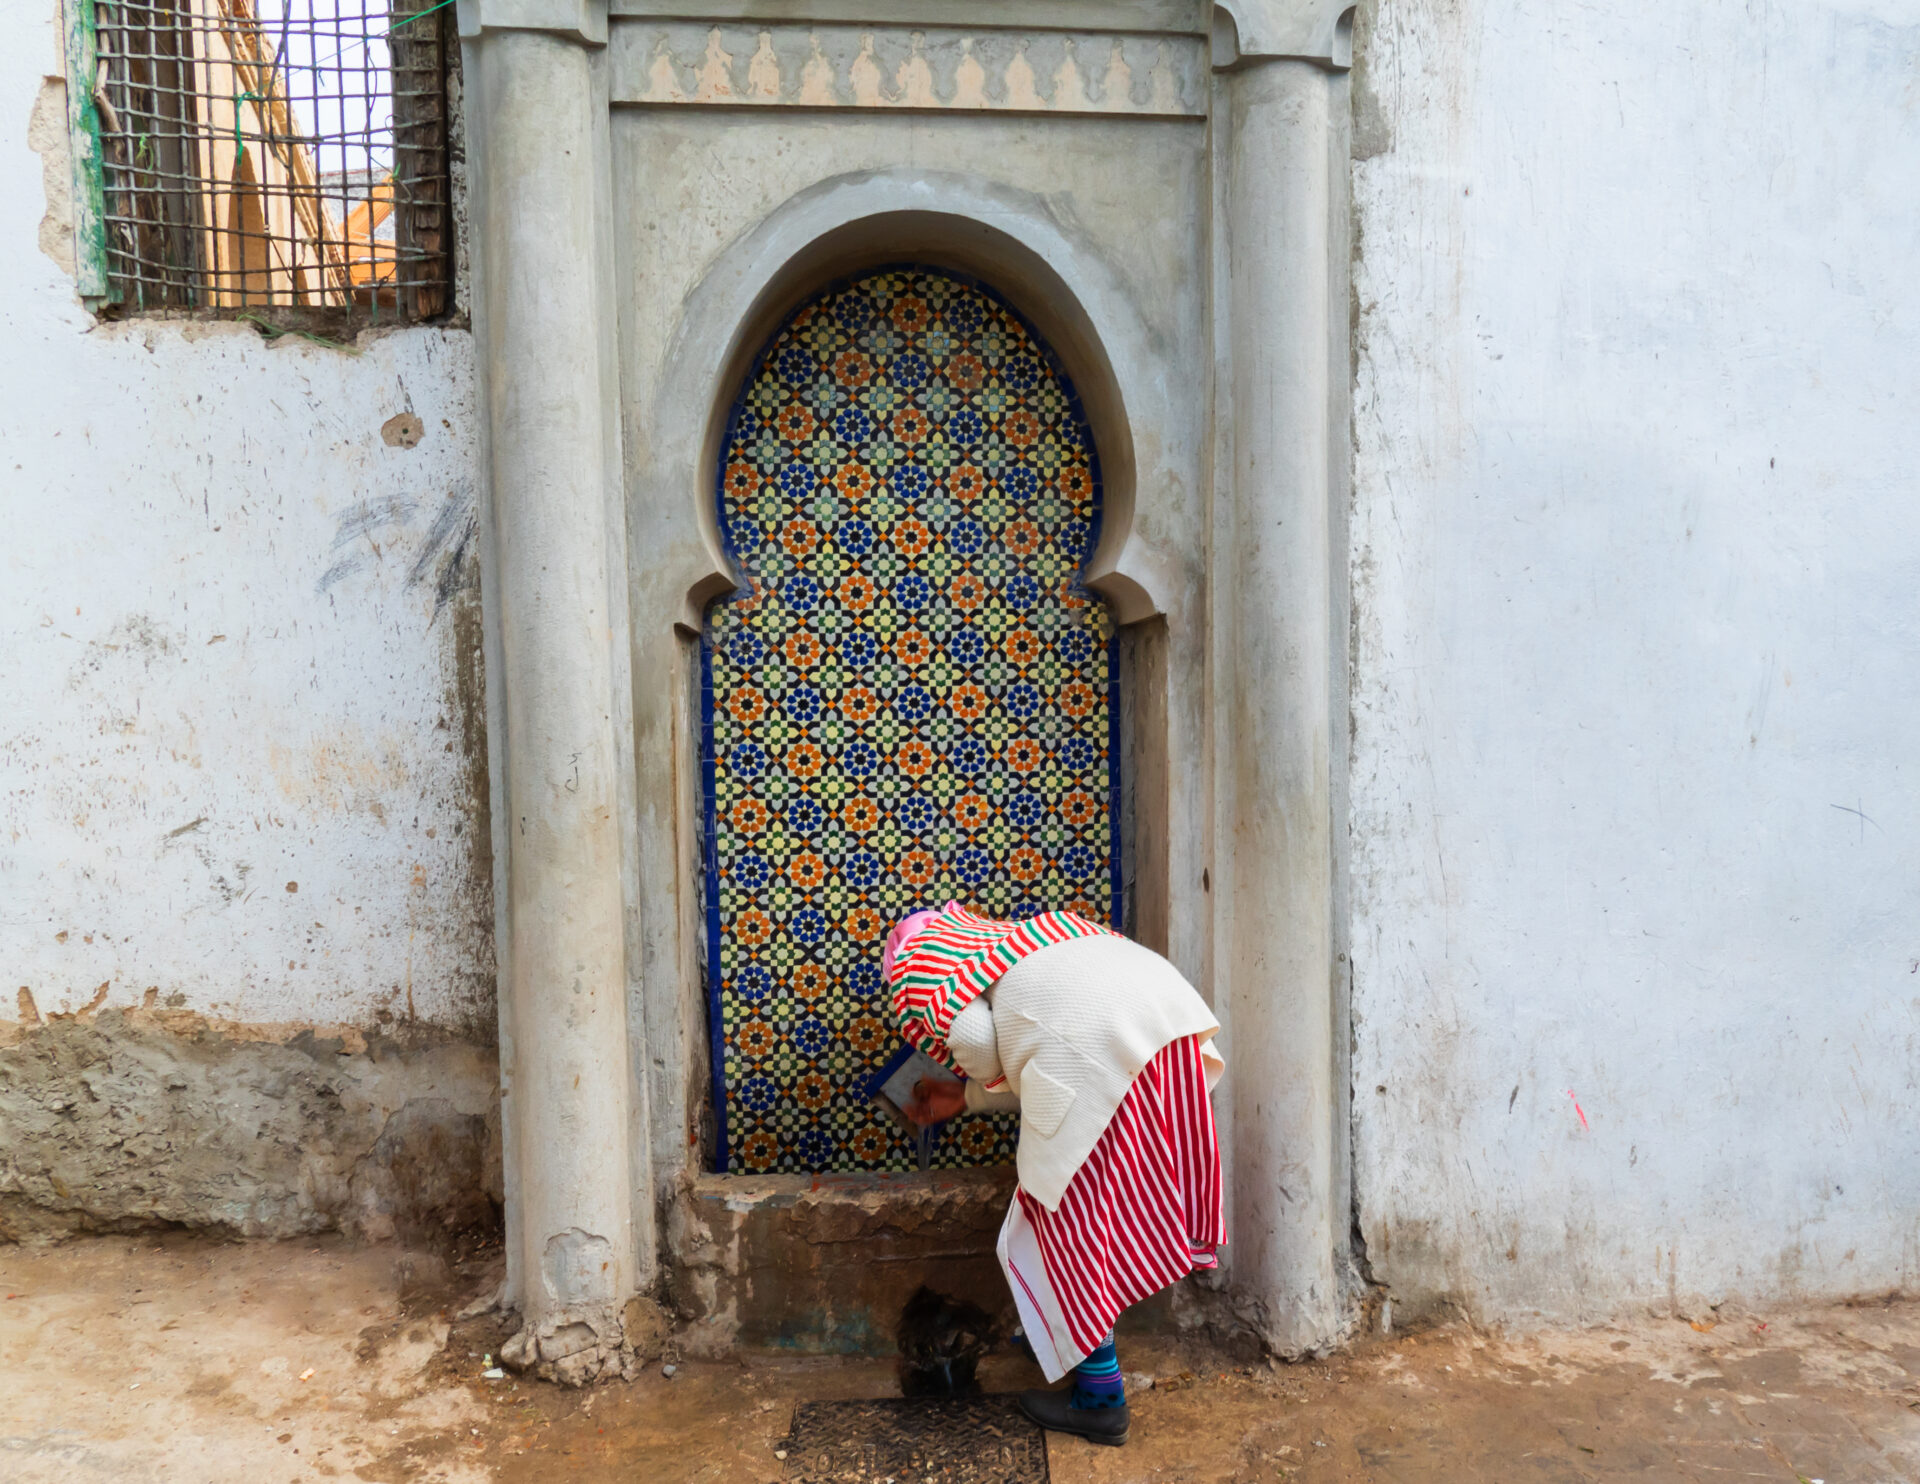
[[273, 154]]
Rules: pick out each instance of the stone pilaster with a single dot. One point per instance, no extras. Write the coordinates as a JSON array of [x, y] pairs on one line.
[[557, 672], [1280, 212]]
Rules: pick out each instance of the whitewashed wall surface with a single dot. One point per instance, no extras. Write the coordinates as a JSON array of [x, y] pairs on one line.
[[1635, 948], [1636, 549], [240, 762]]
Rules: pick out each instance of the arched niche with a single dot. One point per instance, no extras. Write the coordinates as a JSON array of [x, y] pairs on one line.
[[1137, 381], [910, 696], [1030, 283]]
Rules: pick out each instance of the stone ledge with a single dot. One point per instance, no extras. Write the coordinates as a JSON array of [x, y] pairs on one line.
[[822, 1265]]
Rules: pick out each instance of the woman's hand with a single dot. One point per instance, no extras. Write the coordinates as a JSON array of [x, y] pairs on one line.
[[935, 1100]]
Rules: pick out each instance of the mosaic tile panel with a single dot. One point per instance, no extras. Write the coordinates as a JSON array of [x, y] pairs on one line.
[[910, 699]]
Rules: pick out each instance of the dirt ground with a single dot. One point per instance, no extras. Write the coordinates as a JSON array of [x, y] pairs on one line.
[[183, 1359]]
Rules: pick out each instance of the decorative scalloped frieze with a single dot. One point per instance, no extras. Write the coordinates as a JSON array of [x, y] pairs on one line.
[[922, 69]]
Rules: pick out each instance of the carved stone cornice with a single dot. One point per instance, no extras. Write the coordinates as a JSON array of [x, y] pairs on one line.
[[1146, 17], [1261, 30], [584, 21]]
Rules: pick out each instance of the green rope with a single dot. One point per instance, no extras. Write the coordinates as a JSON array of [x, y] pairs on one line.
[[239, 144], [416, 16], [403, 21], [271, 332]]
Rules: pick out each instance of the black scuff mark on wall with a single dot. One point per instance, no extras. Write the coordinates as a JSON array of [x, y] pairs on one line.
[[440, 559], [353, 535], [443, 552]]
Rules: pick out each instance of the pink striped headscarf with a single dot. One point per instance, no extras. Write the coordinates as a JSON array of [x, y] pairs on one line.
[[903, 933]]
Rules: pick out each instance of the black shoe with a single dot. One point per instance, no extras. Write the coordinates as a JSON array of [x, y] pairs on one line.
[[1054, 1410]]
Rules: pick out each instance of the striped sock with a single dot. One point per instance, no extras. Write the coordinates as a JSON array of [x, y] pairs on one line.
[[1096, 1380]]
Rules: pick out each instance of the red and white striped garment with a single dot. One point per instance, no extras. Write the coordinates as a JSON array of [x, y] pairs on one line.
[[956, 958], [1141, 1213]]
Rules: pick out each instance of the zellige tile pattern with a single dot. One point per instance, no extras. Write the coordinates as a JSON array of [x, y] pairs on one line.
[[909, 700]]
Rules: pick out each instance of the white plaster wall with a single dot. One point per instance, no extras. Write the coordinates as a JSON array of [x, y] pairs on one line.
[[1637, 651], [238, 637]]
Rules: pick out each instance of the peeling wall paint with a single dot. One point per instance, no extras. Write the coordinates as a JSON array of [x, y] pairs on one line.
[[1635, 838], [131, 1118], [242, 754]]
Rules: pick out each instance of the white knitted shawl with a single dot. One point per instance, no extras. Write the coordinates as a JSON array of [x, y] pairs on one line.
[[1070, 1027]]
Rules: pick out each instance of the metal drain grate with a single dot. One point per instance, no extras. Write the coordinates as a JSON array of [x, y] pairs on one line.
[[959, 1440]]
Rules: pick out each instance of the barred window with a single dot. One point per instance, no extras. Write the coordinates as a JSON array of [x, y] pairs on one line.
[[248, 155]]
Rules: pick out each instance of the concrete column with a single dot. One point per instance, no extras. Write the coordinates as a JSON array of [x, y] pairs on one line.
[[556, 624], [1276, 657]]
